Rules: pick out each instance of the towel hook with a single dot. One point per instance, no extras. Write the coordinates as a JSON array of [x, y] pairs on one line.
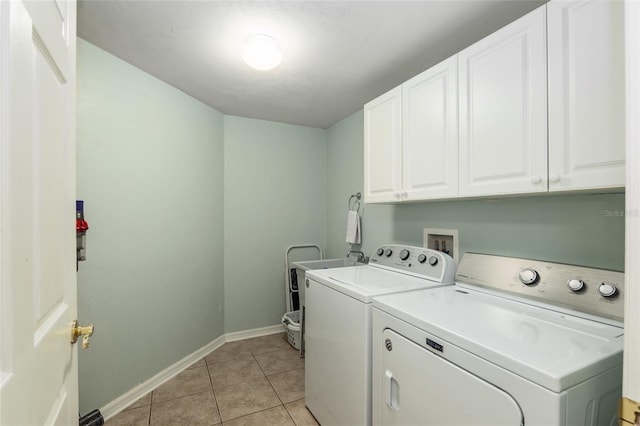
[[352, 206]]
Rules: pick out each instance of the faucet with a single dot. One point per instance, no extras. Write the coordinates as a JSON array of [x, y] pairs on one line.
[[361, 257]]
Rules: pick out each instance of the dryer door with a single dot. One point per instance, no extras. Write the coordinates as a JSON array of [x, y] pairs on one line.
[[421, 388]]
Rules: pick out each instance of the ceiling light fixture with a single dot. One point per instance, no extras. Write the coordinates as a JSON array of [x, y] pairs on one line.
[[261, 52]]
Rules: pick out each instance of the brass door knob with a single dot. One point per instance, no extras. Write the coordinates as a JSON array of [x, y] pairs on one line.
[[85, 332]]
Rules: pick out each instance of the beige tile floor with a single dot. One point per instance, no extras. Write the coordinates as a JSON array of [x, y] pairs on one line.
[[258, 381]]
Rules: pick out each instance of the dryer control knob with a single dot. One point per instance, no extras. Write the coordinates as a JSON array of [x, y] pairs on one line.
[[388, 344], [404, 254], [422, 258], [388, 252], [528, 276], [433, 260], [607, 289], [575, 284], [380, 251]]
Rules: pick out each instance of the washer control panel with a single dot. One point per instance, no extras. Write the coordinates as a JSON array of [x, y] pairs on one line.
[[417, 261], [589, 290]]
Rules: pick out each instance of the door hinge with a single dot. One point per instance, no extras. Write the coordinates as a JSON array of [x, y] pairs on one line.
[[629, 412], [94, 418]]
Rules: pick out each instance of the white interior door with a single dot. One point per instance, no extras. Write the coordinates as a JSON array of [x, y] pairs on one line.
[[38, 365], [431, 391]]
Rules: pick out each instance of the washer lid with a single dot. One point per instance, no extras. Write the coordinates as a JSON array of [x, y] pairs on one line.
[[553, 349], [366, 282]]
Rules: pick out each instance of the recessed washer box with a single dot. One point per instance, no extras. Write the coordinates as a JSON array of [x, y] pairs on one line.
[[445, 240]]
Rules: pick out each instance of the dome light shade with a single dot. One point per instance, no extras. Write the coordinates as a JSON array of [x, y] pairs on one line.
[[261, 52]]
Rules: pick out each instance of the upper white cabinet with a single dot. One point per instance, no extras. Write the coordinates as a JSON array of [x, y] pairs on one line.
[[586, 95], [537, 106], [503, 110], [383, 148], [430, 133], [411, 139]]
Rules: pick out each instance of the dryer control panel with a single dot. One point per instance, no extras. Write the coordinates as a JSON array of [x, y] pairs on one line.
[[589, 290], [416, 261]]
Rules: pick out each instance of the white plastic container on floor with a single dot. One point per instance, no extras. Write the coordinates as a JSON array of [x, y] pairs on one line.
[[292, 321]]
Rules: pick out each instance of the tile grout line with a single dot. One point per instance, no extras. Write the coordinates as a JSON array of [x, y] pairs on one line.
[[253, 355], [272, 387], [254, 352], [213, 391], [271, 384], [282, 404], [257, 412], [150, 407]]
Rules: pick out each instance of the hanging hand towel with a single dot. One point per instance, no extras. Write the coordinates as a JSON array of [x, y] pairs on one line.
[[353, 227]]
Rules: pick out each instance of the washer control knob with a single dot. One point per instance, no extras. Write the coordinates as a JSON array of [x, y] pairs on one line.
[[575, 284], [607, 289], [404, 254], [528, 276], [433, 260], [422, 258], [388, 252], [380, 251]]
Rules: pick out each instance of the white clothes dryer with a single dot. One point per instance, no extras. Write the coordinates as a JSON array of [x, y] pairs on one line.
[[513, 342], [338, 326]]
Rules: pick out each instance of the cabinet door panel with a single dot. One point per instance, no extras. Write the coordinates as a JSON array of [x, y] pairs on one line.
[[503, 110], [586, 95], [383, 148], [430, 133]]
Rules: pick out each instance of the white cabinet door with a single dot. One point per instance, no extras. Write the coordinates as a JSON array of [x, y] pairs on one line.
[[430, 133], [586, 94], [383, 148], [503, 110]]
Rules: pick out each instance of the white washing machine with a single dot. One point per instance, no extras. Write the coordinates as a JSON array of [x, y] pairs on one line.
[[338, 326], [513, 342]]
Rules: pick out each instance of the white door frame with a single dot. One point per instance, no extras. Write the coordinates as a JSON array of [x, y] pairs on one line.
[[631, 383]]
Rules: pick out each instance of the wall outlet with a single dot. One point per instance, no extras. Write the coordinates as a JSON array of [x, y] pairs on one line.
[[445, 240]]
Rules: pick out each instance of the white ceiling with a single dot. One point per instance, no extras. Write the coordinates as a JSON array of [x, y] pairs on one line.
[[338, 55]]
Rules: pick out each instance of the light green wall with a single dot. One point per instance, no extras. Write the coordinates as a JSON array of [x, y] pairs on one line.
[[150, 169], [184, 205], [275, 196], [565, 228], [191, 212], [345, 170]]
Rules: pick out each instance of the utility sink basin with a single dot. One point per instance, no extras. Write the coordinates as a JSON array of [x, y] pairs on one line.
[[307, 265]]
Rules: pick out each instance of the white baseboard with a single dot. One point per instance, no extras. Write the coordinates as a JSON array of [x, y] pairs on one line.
[[126, 399], [256, 332]]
